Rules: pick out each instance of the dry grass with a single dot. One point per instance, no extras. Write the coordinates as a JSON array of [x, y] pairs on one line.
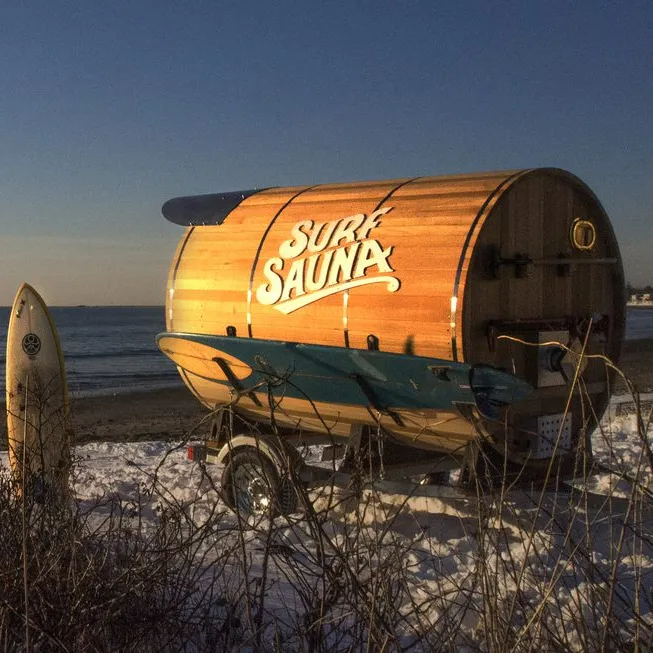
[[352, 571]]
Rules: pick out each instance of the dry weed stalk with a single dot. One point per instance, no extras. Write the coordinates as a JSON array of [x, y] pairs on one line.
[[353, 570]]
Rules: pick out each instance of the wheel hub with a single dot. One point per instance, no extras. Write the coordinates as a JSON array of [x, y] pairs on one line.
[[251, 490]]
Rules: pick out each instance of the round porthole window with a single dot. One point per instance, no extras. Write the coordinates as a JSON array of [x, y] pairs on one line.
[[583, 234]]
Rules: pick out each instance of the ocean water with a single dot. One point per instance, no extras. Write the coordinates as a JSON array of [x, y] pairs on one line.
[[639, 323], [107, 349], [112, 349]]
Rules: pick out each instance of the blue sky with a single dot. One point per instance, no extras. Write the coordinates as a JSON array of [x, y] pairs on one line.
[[107, 109]]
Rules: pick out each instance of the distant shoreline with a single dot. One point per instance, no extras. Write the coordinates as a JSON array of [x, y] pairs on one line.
[[50, 306]]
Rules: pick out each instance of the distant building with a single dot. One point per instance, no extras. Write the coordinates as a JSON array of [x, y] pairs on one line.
[[640, 299]]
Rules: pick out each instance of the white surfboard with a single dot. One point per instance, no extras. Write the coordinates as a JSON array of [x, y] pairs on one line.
[[38, 422]]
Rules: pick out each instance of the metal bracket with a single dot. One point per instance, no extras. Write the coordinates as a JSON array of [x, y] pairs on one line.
[[441, 372], [523, 262], [520, 263], [576, 326], [220, 429], [372, 342]]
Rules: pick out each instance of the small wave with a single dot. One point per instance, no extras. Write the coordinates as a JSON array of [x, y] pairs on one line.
[[126, 353], [111, 383], [99, 377]]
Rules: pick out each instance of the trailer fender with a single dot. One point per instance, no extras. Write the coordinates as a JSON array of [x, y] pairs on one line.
[[275, 450]]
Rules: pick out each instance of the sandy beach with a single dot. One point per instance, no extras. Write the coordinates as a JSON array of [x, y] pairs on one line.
[[174, 413], [158, 414], [637, 364]]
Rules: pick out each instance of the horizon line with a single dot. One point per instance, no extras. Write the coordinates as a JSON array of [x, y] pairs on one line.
[[98, 306]]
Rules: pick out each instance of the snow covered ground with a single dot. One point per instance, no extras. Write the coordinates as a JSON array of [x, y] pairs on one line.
[[559, 569]]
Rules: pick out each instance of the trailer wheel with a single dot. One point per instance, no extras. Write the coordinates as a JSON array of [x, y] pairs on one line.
[[253, 486]]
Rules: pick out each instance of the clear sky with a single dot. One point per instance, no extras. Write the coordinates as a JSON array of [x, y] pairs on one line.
[[109, 108]]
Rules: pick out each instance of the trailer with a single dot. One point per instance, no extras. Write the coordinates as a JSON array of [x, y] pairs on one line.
[[459, 321]]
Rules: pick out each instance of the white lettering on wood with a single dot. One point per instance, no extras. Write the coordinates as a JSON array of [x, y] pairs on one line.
[[322, 259]]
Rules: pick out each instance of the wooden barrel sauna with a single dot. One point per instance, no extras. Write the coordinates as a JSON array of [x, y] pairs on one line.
[[475, 268]]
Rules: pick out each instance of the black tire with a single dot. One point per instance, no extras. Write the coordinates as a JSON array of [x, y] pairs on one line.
[[251, 484]]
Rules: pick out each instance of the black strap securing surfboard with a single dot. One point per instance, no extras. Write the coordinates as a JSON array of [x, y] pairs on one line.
[[373, 399], [231, 377]]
